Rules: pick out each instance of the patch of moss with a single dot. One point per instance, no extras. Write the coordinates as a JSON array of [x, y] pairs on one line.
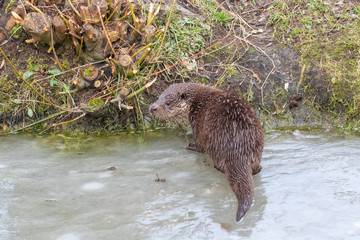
[[8, 92], [89, 71], [16, 32], [95, 104]]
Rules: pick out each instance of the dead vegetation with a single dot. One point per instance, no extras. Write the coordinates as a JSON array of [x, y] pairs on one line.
[[115, 39]]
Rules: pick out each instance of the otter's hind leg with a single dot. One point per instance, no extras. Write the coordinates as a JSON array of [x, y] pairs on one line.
[[256, 168]]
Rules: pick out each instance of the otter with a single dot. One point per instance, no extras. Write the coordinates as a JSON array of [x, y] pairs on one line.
[[225, 126]]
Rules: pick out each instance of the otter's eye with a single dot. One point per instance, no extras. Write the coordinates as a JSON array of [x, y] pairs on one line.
[[167, 103], [183, 96]]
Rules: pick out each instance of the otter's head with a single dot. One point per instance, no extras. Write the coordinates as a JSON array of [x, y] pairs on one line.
[[174, 101]]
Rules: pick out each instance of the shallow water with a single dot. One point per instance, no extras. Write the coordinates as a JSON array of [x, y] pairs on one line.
[[61, 188]]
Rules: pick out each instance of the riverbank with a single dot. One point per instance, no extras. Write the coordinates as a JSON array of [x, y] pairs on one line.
[[297, 63]]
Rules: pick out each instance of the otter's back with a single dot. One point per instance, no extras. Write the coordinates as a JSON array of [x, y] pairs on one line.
[[231, 130]]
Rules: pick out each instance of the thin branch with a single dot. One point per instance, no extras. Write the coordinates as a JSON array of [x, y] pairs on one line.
[[140, 90], [52, 44], [106, 20], [72, 120], [166, 28], [233, 15], [62, 16], [141, 49], [105, 32], [33, 7], [133, 28], [74, 9], [301, 78], [42, 120], [132, 12], [80, 49], [154, 15]]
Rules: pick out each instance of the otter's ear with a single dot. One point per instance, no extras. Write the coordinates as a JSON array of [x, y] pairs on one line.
[[183, 96]]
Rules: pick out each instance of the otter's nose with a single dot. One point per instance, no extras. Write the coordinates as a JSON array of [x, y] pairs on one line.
[[152, 109]]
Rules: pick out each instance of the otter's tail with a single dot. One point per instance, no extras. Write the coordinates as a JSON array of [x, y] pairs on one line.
[[242, 184]]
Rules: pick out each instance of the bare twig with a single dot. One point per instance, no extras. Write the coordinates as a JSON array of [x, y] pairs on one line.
[[133, 28], [150, 12], [82, 8], [106, 20], [62, 16], [52, 44], [233, 15], [105, 32], [33, 7], [53, 124], [75, 35], [140, 90], [5, 42], [17, 18], [166, 28], [80, 48], [72, 120], [146, 52], [141, 49], [132, 12], [74, 9], [153, 15], [301, 78], [40, 121]]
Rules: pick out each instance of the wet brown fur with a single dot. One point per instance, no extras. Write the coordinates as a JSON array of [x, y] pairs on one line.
[[225, 126]]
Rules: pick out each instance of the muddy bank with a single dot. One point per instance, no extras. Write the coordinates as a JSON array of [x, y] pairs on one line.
[[96, 74]]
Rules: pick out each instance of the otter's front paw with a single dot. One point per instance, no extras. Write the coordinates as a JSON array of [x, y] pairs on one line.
[[194, 147]]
